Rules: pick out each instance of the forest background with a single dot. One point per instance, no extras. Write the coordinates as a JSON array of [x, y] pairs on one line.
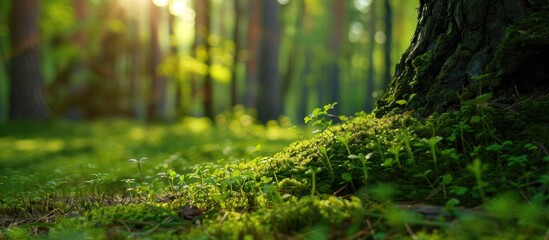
[[165, 59]]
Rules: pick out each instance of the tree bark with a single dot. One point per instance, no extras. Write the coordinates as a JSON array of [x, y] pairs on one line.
[[202, 34], [26, 97], [269, 104], [370, 81], [388, 43], [334, 46], [252, 48], [178, 105], [236, 40], [462, 48], [157, 101]]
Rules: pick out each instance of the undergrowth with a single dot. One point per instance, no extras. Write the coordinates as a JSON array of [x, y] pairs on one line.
[[479, 172]]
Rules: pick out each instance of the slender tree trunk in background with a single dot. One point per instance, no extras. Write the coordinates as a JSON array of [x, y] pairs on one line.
[[157, 101], [302, 108], [398, 29], [106, 90], [269, 104], [174, 51], [69, 83], [294, 49], [77, 68], [252, 49], [26, 96], [236, 40], [334, 46], [303, 100], [388, 43], [371, 81], [134, 72], [203, 32], [465, 47]]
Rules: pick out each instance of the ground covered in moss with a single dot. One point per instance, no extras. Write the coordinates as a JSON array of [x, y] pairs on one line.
[[479, 172]]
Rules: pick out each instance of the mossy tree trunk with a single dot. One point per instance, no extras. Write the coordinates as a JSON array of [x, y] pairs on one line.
[[463, 48]]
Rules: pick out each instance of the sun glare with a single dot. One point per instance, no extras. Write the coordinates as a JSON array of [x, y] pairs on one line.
[[179, 8], [363, 5], [182, 8], [161, 3]]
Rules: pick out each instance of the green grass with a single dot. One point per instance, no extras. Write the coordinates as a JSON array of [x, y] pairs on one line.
[[44, 149], [479, 172]]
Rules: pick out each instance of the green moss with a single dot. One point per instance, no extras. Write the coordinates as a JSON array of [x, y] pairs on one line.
[[466, 134], [294, 216], [520, 58], [132, 215], [445, 90], [291, 186], [422, 65]]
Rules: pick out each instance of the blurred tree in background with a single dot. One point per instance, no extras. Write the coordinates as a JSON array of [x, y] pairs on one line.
[[161, 60], [26, 97]]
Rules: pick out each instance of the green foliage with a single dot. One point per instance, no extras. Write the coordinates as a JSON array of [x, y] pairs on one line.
[[353, 176]]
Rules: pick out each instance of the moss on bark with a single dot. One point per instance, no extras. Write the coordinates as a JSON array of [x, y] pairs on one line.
[[463, 48]]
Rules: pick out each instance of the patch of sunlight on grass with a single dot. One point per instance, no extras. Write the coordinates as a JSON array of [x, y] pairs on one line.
[[137, 133], [276, 131], [74, 151], [49, 145], [197, 125], [155, 135]]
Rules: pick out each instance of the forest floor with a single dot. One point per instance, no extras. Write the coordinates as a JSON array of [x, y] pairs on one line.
[[456, 175]]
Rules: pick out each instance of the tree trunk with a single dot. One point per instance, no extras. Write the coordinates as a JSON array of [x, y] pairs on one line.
[[303, 78], [157, 101], [370, 81], [178, 106], [135, 70], [334, 46], [462, 48], [26, 96], [252, 48], [388, 43], [303, 103], [269, 104], [202, 34], [236, 40]]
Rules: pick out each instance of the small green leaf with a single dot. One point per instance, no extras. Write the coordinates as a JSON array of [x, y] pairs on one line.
[[494, 147], [447, 179], [484, 97], [479, 99], [323, 150], [388, 162], [316, 112], [458, 190], [476, 119], [343, 118], [402, 102], [530, 146], [453, 202], [347, 177]]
